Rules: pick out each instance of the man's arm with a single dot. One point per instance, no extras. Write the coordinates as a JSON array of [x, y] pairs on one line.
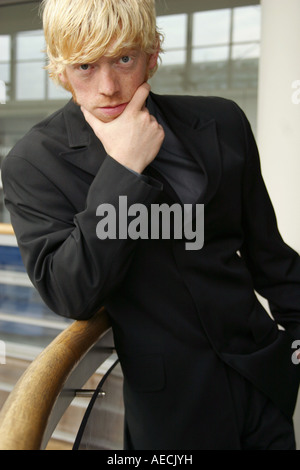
[[275, 267], [73, 270]]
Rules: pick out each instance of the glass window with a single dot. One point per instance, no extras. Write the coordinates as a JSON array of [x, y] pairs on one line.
[[173, 57], [211, 27], [30, 60], [56, 92], [30, 45], [174, 28], [211, 54], [30, 81], [246, 24], [4, 48], [245, 51], [5, 72]]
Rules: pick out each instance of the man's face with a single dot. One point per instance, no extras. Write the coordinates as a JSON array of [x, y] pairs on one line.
[[105, 87]]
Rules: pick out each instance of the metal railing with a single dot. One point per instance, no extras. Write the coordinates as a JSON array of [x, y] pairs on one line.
[[6, 229], [55, 377], [48, 386]]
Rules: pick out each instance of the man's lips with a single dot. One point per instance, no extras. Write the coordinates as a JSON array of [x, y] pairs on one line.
[[113, 110]]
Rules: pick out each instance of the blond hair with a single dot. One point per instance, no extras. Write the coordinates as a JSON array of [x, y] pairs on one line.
[[82, 31]]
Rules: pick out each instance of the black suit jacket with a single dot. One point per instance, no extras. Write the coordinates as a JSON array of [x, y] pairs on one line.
[[175, 313]]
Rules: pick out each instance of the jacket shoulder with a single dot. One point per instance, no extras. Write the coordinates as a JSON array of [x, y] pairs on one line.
[[204, 108], [231, 122]]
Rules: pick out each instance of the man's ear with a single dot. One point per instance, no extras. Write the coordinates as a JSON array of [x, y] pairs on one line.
[[62, 78], [152, 63]]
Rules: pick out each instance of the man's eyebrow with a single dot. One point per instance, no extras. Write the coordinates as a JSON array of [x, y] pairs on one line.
[[122, 52]]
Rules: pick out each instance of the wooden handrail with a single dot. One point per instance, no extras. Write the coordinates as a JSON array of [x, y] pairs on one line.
[[6, 229], [24, 416]]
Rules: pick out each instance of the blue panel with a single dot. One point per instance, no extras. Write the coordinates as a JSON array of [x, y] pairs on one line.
[[10, 258]]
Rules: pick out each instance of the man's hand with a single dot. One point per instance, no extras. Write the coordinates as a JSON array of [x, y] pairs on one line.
[[133, 138]]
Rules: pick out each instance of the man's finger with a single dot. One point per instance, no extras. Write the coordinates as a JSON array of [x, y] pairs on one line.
[[90, 118], [137, 102]]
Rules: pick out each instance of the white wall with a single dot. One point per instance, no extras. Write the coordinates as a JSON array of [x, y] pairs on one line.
[[278, 128]]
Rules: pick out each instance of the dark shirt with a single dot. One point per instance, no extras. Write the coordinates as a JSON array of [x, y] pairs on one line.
[[174, 163]]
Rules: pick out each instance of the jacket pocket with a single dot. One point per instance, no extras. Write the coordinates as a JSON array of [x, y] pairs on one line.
[[144, 373]]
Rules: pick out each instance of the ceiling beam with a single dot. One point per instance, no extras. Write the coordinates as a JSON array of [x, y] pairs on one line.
[[4, 3], [169, 7]]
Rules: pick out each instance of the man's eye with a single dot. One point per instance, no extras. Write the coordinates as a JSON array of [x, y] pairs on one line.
[[84, 67], [125, 59]]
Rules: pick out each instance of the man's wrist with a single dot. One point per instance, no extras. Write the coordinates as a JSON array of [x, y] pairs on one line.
[[139, 175]]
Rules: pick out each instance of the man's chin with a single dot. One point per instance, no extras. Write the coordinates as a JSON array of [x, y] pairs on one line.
[[104, 119]]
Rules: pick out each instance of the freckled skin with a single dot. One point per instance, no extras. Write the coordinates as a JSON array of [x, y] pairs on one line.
[[109, 82], [112, 93]]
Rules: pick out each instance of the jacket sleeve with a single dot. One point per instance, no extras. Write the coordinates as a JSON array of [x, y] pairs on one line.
[[73, 270], [275, 267]]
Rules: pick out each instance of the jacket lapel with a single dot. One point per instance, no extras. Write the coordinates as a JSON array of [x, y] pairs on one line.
[[86, 151], [198, 135]]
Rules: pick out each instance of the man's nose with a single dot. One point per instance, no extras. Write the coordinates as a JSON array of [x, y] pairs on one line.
[[108, 83]]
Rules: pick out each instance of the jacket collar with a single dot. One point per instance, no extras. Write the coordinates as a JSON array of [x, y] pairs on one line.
[[86, 151], [78, 131]]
